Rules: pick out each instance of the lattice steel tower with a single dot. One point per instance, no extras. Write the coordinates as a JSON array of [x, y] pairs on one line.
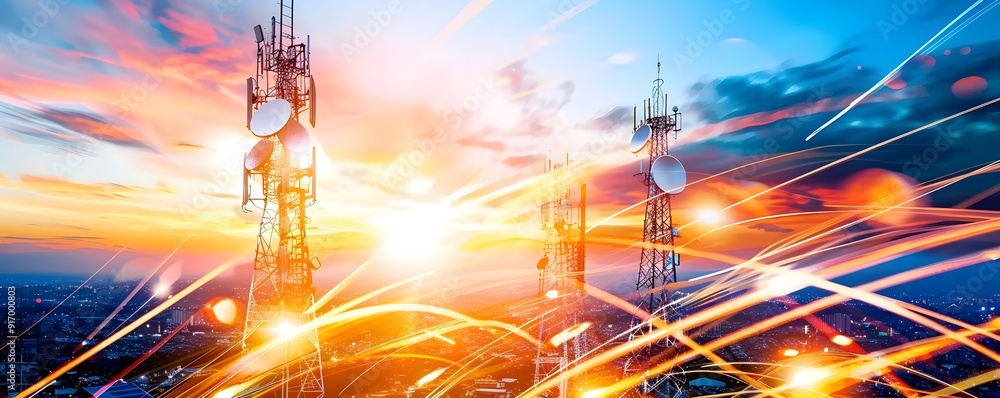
[[283, 161], [561, 278], [663, 176]]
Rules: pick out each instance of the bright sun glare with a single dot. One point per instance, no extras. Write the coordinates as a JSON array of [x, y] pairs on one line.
[[416, 232], [710, 216]]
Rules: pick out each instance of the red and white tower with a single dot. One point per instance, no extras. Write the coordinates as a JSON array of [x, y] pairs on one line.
[[283, 163]]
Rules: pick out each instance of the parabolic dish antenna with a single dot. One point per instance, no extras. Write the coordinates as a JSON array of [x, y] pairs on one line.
[[271, 118], [295, 137], [668, 174], [259, 154], [640, 138]]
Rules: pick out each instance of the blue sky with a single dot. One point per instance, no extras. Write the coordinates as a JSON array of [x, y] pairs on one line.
[[81, 174]]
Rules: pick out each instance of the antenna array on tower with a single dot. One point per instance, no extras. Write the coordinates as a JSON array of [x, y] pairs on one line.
[[561, 277], [283, 163], [663, 176]]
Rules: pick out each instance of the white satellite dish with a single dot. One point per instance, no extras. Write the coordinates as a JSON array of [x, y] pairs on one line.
[[271, 118], [640, 138], [295, 137], [668, 174], [259, 154]]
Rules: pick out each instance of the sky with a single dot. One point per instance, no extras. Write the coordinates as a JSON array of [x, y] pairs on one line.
[[122, 124]]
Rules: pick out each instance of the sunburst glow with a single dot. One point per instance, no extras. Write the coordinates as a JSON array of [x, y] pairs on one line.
[[417, 232], [417, 205]]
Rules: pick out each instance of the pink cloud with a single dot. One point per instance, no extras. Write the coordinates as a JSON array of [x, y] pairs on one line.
[[478, 142], [194, 33]]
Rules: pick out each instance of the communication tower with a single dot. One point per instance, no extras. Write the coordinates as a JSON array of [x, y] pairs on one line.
[[663, 176], [561, 278], [283, 162]]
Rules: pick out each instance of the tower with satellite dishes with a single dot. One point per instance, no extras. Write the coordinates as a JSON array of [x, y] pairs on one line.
[[561, 278], [663, 176], [283, 163]]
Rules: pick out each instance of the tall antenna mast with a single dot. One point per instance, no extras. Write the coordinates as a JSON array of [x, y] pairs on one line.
[[561, 280], [663, 176], [284, 162]]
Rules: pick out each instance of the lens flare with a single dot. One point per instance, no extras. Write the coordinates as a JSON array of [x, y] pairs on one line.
[[710, 216], [417, 232], [227, 393], [968, 87], [285, 331], [806, 378], [594, 393], [568, 334], [786, 283], [842, 340], [225, 311], [430, 377], [876, 192]]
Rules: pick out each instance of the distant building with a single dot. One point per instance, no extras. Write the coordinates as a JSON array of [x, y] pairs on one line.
[[199, 319], [177, 317], [839, 322], [494, 388]]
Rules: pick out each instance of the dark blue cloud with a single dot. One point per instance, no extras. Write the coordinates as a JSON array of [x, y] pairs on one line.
[[66, 128], [961, 143], [734, 96]]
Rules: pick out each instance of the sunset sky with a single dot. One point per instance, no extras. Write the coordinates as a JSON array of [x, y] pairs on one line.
[[121, 120]]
